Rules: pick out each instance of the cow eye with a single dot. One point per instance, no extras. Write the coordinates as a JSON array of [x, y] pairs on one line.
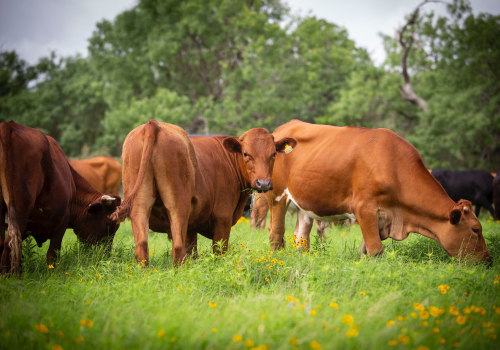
[[274, 154], [245, 154], [475, 230]]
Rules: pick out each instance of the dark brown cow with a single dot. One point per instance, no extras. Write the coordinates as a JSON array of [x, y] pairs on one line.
[[496, 195], [103, 173], [184, 186], [43, 196], [375, 175]]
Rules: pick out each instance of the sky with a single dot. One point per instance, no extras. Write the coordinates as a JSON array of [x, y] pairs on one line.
[[34, 28]]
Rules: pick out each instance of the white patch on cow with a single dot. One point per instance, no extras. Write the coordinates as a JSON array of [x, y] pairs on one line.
[[311, 215]]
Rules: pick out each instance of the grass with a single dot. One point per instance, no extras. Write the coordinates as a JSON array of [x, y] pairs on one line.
[[413, 297]]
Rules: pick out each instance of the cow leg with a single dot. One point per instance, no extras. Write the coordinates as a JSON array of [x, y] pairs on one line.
[[5, 257], [178, 228], [321, 227], [303, 230], [139, 217], [3, 224], [222, 228], [482, 201], [278, 213], [55, 247], [368, 221], [192, 245]]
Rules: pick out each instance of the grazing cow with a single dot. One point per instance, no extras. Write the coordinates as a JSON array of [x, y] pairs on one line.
[[473, 185], [375, 175], [103, 173], [183, 186], [496, 195], [43, 195]]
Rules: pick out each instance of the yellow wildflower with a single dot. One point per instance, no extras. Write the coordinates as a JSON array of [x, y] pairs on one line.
[[390, 323], [392, 342], [435, 330], [422, 347], [293, 341], [214, 330], [461, 320], [51, 266], [435, 311], [60, 334], [348, 319], [352, 332], [211, 304], [86, 322], [315, 345], [160, 334], [334, 305], [237, 338], [418, 306], [57, 347], [249, 342], [80, 339], [424, 314], [404, 339], [362, 293], [41, 328], [312, 312], [442, 340]]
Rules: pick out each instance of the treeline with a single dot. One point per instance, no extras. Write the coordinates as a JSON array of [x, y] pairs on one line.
[[224, 66]]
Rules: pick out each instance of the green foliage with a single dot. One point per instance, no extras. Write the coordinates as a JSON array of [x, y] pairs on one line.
[[224, 66], [165, 106], [90, 300]]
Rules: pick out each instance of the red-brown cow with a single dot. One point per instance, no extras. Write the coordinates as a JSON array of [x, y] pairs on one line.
[[184, 186], [43, 196], [103, 173], [375, 175]]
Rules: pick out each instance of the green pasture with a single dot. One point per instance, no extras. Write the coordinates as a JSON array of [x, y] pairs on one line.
[[414, 297]]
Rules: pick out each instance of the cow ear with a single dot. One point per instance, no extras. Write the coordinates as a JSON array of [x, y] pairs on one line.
[[455, 216], [281, 145], [95, 207], [232, 144]]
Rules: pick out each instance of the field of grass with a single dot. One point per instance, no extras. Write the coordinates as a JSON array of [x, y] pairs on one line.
[[414, 297]]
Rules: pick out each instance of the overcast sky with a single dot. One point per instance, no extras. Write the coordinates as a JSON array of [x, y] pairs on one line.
[[35, 27]]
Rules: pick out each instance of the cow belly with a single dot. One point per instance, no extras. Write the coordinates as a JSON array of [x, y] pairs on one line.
[[158, 220], [311, 214]]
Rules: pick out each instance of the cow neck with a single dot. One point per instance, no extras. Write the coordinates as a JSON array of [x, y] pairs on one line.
[[234, 159], [84, 196]]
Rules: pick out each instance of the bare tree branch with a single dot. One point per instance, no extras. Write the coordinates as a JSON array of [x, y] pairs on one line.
[[406, 90]]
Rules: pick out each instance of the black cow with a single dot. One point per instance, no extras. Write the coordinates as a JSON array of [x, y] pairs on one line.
[[473, 185], [496, 195]]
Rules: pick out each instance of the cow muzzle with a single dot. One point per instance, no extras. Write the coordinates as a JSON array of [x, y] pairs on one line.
[[263, 185]]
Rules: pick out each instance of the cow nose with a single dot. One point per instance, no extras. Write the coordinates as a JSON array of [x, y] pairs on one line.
[[263, 185]]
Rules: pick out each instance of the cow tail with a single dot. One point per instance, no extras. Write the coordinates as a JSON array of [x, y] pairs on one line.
[[150, 130], [13, 231]]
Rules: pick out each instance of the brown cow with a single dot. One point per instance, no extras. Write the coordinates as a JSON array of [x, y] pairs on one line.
[[43, 196], [375, 175], [103, 173], [184, 186]]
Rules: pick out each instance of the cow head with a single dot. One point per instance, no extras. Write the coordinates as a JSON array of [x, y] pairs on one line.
[[463, 236], [258, 151], [96, 225]]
